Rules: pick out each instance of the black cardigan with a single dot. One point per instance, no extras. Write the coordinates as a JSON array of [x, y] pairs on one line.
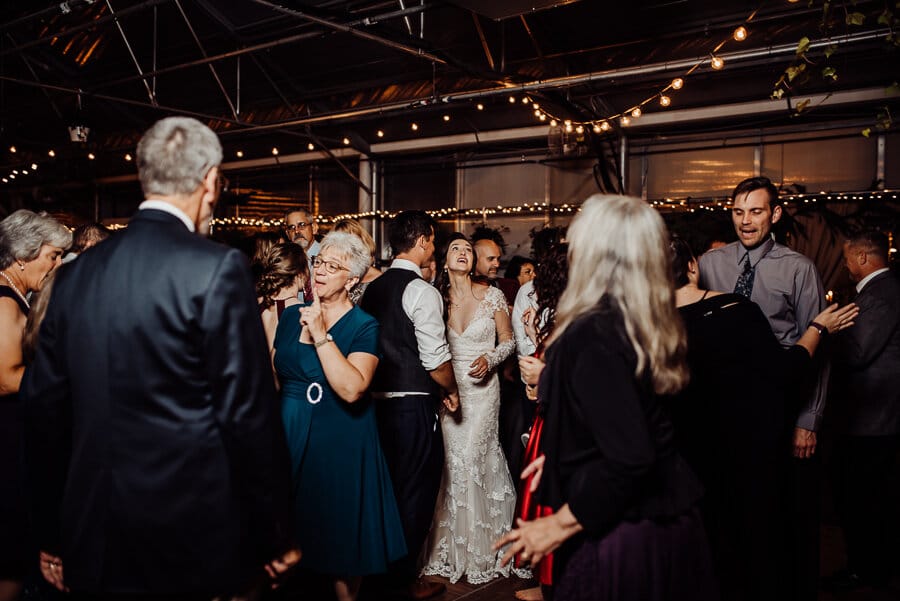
[[609, 445]]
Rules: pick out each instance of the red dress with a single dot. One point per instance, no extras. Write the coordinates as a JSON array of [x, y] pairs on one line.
[[529, 508]]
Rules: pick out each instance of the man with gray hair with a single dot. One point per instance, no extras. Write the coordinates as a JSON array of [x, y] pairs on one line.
[[154, 437]]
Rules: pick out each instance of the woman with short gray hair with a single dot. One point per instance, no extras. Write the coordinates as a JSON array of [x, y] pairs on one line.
[[326, 352], [31, 247]]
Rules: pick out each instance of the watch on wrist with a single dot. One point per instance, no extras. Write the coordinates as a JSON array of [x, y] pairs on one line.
[[328, 338]]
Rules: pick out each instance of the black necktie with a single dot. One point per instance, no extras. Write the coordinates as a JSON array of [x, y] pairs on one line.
[[744, 284]]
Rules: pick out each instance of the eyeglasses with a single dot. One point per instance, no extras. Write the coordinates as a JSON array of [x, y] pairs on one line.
[[331, 267], [295, 226], [224, 183]]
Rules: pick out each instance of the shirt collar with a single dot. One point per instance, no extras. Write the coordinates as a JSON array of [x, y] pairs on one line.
[[167, 207], [868, 278], [756, 254], [408, 265]]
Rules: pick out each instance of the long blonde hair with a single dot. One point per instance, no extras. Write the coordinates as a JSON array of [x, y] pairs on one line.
[[618, 249]]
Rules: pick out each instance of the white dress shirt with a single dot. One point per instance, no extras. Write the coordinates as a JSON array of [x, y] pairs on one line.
[[161, 205]]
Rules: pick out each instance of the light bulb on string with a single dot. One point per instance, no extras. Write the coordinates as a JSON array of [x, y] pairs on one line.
[[538, 113], [717, 63], [677, 83], [740, 34], [346, 141], [568, 128], [446, 117], [512, 99], [535, 106], [479, 106], [526, 100], [24, 171], [605, 126], [414, 127], [12, 176], [553, 123], [275, 152], [379, 133], [239, 154], [579, 129], [597, 128], [12, 149], [636, 112], [51, 153], [34, 166], [91, 156], [15, 172], [625, 121], [311, 146], [665, 100], [542, 117], [127, 156]]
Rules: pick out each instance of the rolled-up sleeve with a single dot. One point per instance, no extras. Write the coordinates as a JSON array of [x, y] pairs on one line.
[[424, 306]]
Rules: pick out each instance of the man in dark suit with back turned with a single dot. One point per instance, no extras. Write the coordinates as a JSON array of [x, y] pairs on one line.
[[868, 363], [414, 375], [154, 438]]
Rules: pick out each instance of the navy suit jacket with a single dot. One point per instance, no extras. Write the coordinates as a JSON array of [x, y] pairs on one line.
[[869, 361], [154, 439]]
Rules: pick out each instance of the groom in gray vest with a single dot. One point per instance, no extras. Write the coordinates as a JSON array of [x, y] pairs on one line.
[[414, 376]]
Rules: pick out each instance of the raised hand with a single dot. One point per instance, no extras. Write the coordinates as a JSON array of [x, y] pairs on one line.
[[311, 317]]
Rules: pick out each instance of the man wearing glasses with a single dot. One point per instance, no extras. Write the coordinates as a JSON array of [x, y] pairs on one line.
[[301, 228]]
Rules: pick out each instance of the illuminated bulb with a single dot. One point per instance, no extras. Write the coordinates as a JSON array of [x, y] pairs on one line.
[[11, 176], [568, 122], [542, 117], [91, 156], [535, 106], [275, 152], [568, 128], [16, 171], [446, 117], [579, 130], [12, 148], [665, 100], [51, 153], [379, 133], [597, 129], [677, 83], [24, 171], [479, 106], [127, 157], [740, 34], [512, 99], [346, 141], [553, 123], [239, 154], [625, 121], [605, 126], [34, 166], [414, 127], [717, 63], [537, 113], [311, 146], [5, 181], [636, 112], [526, 100]]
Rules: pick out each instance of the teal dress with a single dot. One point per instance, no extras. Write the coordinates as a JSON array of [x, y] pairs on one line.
[[346, 518]]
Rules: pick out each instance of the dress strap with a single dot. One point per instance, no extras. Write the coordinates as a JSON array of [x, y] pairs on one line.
[[704, 295]]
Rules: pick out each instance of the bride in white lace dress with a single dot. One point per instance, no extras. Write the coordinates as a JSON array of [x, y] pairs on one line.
[[477, 498]]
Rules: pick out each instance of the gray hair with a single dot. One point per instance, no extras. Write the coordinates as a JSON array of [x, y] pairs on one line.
[[351, 249], [23, 233], [175, 155]]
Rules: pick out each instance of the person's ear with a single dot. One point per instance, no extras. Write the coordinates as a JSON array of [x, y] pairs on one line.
[[776, 214]]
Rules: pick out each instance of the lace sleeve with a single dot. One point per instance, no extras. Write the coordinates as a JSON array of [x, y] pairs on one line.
[[507, 342]]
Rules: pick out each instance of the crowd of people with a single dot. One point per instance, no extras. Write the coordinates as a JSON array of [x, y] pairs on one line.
[[616, 417]]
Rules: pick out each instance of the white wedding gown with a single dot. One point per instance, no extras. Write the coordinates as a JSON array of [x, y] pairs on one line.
[[477, 498]]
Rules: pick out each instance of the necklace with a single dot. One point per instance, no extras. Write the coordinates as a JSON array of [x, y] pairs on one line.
[[15, 289]]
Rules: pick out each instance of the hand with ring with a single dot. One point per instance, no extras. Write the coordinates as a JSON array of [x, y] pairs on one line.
[[52, 570]]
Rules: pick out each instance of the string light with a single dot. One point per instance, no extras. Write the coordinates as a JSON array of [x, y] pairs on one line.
[[15, 171], [512, 99], [479, 106], [740, 34], [12, 149], [625, 121], [597, 128], [24, 171], [127, 156], [579, 130], [379, 133], [414, 127], [311, 146], [34, 166], [665, 100], [604, 125], [91, 156], [446, 117], [526, 100], [346, 141], [677, 83], [51, 153], [636, 112], [239, 154], [553, 123], [275, 152], [717, 63]]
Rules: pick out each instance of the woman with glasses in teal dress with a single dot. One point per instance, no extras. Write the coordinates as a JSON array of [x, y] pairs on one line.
[[326, 351]]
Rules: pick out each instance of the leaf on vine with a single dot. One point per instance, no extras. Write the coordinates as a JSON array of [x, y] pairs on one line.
[[885, 17], [802, 105], [866, 132], [777, 94], [830, 50], [803, 46], [856, 19], [829, 72]]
